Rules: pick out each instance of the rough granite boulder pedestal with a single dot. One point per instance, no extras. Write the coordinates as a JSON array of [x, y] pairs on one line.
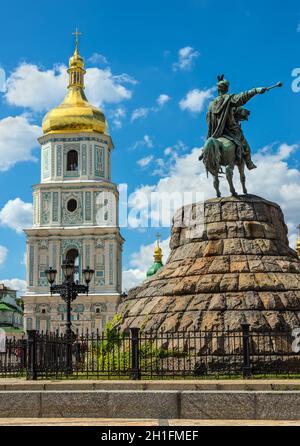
[[230, 263]]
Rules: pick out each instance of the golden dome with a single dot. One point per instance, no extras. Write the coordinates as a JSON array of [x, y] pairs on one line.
[[158, 254], [298, 243], [75, 113], [298, 248]]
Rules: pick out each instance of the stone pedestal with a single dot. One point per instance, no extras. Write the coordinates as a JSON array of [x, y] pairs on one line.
[[230, 263]]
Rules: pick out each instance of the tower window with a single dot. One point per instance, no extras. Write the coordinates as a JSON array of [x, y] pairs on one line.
[[72, 160], [72, 205], [73, 256]]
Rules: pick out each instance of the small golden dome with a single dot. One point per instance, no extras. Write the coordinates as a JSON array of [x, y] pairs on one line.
[[75, 113], [298, 244], [298, 248], [76, 61], [158, 254], [157, 251]]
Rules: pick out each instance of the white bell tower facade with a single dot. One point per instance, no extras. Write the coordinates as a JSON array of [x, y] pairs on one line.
[[75, 214]]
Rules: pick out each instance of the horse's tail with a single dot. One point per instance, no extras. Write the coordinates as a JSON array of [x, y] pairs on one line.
[[212, 156]]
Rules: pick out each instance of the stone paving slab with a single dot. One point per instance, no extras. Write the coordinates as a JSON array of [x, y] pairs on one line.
[[110, 403], [218, 404], [139, 422], [162, 404]]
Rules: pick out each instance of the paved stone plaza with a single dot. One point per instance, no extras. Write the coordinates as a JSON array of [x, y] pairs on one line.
[[136, 422]]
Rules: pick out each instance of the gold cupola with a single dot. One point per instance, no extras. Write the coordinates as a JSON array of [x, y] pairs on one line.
[[298, 244], [158, 255], [75, 113]]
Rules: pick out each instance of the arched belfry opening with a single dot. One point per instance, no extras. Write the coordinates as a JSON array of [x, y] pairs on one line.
[[73, 256], [72, 160]]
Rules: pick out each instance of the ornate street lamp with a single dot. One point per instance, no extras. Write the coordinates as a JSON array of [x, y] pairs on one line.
[[69, 291], [88, 274], [51, 275], [68, 269]]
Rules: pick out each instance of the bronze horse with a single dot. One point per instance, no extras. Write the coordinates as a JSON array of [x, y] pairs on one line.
[[218, 152]]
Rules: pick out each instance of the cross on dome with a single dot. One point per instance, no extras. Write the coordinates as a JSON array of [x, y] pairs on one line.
[[76, 33], [158, 236]]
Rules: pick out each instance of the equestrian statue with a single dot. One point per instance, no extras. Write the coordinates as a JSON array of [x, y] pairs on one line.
[[226, 144]]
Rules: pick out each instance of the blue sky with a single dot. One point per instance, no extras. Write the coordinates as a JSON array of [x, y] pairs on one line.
[[169, 54]]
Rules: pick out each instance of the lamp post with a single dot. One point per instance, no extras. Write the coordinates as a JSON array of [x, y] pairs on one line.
[[69, 291]]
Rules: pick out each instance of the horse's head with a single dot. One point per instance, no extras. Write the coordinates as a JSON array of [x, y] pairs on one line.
[[241, 114]]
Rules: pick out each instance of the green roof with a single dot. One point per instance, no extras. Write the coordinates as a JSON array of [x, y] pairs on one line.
[[7, 307]]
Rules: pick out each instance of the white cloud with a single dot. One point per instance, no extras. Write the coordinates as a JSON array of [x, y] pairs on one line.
[[186, 174], [176, 149], [281, 186], [143, 112], [24, 259], [138, 113], [132, 277], [195, 100], [29, 86], [16, 215], [97, 58], [143, 162], [103, 87], [148, 141], [140, 262], [3, 254], [118, 116], [15, 284], [293, 235], [161, 167], [162, 99], [172, 153], [2, 80], [186, 58], [145, 142], [18, 138]]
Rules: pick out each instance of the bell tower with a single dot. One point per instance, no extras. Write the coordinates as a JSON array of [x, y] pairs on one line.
[[75, 213]]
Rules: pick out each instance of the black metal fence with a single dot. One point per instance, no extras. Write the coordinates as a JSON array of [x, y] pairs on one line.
[[152, 355]]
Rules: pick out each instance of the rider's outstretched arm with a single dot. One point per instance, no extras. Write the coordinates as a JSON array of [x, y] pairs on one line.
[[237, 100]]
